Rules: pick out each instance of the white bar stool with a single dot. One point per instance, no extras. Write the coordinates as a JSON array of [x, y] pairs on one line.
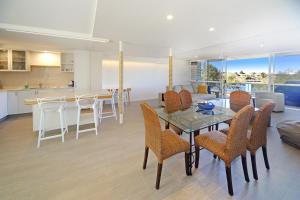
[[86, 102], [48, 105], [124, 99], [112, 113]]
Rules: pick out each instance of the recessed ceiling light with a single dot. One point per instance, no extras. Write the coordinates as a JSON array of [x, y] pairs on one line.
[[170, 17], [262, 45], [211, 29]]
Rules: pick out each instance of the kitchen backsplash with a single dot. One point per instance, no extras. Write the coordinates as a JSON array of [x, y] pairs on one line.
[[47, 76]]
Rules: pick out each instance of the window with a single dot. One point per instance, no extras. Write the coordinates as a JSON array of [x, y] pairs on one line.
[[248, 74], [287, 78], [287, 69]]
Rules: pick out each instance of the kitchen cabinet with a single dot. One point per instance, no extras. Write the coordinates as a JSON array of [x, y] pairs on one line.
[[18, 60], [4, 63], [12, 102], [45, 59], [14, 60], [3, 104], [15, 99], [22, 95], [67, 62]]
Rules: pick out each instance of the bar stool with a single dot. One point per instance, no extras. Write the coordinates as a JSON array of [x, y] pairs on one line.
[[112, 113], [86, 102], [124, 99], [51, 105]]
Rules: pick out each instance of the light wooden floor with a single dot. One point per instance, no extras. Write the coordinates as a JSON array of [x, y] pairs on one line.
[[109, 166]]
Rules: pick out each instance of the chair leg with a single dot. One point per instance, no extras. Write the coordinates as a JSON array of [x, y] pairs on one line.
[[159, 169], [167, 125], [215, 156], [62, 126], [186, 159], [100, 110], [65, 121], [77, 125], [41, 129], [145, 157], [197, 150], [95, 119], [253, 161], [245, 169], [264, 148], [39, 139], [229, 180], [217, 127], [197, 156], [113, 106]]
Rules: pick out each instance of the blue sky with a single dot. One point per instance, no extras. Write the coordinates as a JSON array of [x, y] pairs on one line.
[[248, 65], [282, 63], [291, 63]]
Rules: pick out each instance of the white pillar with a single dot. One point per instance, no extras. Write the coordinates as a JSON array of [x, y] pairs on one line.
[[170, 69], [120, 91]]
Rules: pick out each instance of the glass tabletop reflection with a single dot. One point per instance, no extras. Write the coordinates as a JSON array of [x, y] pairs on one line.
[[193, 119]]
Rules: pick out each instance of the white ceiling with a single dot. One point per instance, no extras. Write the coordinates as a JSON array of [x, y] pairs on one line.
[[241, 25]]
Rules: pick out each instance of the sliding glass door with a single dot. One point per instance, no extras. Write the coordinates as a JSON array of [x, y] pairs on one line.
[[249, 74], [286, 77]]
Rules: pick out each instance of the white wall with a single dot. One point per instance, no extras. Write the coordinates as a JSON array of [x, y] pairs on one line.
[[147, 77], [82, 70], [96, 70], [88, 70]]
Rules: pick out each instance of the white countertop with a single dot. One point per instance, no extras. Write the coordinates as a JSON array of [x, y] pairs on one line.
[[33, 88]]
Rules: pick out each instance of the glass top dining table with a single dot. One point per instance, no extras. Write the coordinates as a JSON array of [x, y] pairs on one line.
[[193, 119]]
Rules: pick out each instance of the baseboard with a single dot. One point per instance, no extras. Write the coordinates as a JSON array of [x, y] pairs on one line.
[[4, 118]]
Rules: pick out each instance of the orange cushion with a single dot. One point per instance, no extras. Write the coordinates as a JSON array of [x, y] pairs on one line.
[[202, 89]]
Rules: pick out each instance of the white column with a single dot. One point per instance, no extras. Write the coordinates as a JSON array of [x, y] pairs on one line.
[[170, 69], [120, 91]]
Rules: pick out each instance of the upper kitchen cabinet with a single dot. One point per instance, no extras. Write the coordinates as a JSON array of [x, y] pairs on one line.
[[67, 62], [4, 63], [19, 60], [45, 59], [14, 60]]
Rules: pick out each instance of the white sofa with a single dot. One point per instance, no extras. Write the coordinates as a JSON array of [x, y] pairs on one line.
[[195, 96], [263, 97]]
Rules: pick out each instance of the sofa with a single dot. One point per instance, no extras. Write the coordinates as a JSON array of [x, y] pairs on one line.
[[278, 98], [192, 89]]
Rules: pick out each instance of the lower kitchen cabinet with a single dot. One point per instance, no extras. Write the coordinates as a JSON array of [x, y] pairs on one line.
[[3, 104], [12, 102], [22, 95], [15, 101]]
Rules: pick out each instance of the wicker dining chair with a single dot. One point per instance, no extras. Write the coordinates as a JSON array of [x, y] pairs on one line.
[[172, 104], [228, 147], [239, 99], [164, 144], [257, 136], [172, 101], [186, 99]]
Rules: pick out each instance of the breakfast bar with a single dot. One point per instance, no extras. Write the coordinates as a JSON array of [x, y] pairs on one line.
[[70, 107]]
